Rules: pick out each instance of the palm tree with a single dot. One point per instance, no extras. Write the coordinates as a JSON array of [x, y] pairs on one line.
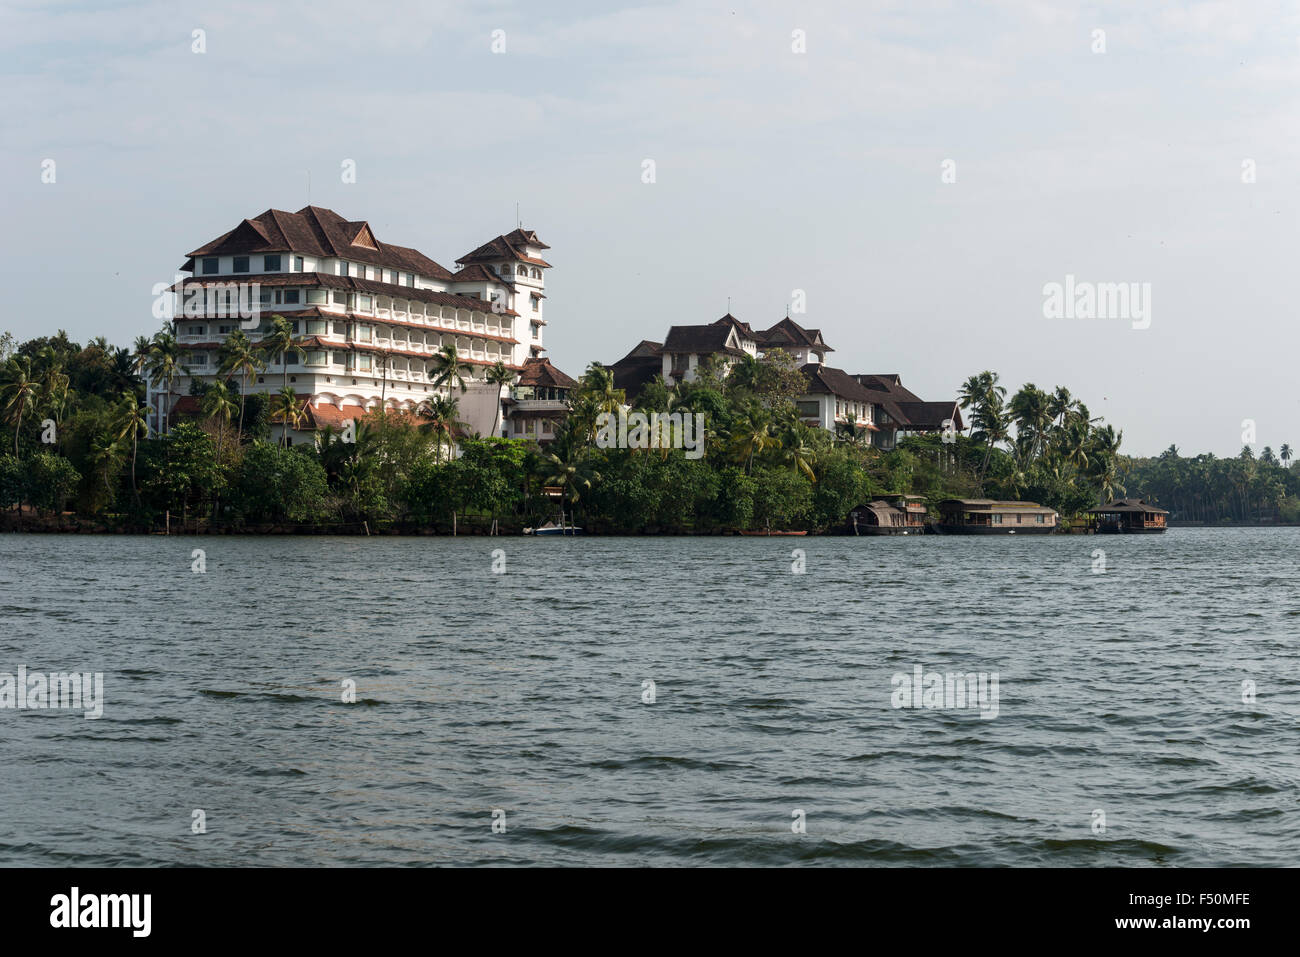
[[448, 368], [1030, 410], [132, 416], [286, 408], [750, 436], [499, 375], [164, 365], [1060, 404], [106, 455], [572, 476], [441, 411], [1285, 453], [598, 382], [277, 343], [218, 404], [239, 355], [18, 389]]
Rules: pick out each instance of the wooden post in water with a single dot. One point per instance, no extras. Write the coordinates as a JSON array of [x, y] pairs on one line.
[[168, 528]]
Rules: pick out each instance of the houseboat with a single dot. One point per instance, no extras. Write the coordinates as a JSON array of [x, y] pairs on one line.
[[984, 516], [1128, 516], [899, 515]]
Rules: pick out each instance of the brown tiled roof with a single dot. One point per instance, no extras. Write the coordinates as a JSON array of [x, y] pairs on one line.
[[316, 231], [1130, 505], [741, 328], [636, 369], [827, 381], [509, 246], [477, 272], [788, 332], [930, 416], [540, 372], [701, 340]]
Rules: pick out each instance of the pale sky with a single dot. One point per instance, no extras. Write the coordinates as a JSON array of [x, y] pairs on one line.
[[775, 171]]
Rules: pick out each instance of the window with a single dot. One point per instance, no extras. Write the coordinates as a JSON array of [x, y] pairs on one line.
[[410, 279], [340, 328], [297, 264], [317, 358], [339, 297], [210, 265], [316, 327], [265, 296], [240, 264], [317, 296], [537, 273], [808, 410], [270, 264], [364, 303], [363, 363], [363, 333], [343, 267], [291, 297], [997, 519], [1038, 519], [291, 359]]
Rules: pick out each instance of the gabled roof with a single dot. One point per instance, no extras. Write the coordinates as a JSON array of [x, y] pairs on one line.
[[787, 332], [1130, 505], [645, 349], [477, 272], [742, 328], [702, 340], [827, 381], [540, 372], [509, 246], [323, 233], [525, 237], [930, 416]]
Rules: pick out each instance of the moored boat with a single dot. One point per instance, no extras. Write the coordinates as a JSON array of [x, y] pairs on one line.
[[550, 528], [1128, 516], [899, 515], [984, 516]]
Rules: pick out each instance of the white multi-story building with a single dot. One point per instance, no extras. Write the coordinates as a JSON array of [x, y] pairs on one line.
[[368, 316]]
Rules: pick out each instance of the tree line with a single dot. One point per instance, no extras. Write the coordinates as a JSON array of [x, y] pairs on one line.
[[763, 468]]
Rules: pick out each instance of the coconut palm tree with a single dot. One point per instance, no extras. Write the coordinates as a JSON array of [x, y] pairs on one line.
[[218, 405], [18, 390], [1285, 453], [106, 457], [132, 417], [1031, 411], [239, 356], [441, 411], [499, 375], [751, 436], [288, 410], [164, 365], [277, 343], [573, 476], [448, 368], [598, 383]]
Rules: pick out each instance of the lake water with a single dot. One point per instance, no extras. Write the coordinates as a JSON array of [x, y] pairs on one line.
[[1119, 693]]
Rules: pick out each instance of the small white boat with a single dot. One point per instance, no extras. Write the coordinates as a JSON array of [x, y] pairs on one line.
[[550, 528]]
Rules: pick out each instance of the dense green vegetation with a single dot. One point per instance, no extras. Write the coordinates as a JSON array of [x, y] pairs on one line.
[[1207, 489], [78, 427]]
